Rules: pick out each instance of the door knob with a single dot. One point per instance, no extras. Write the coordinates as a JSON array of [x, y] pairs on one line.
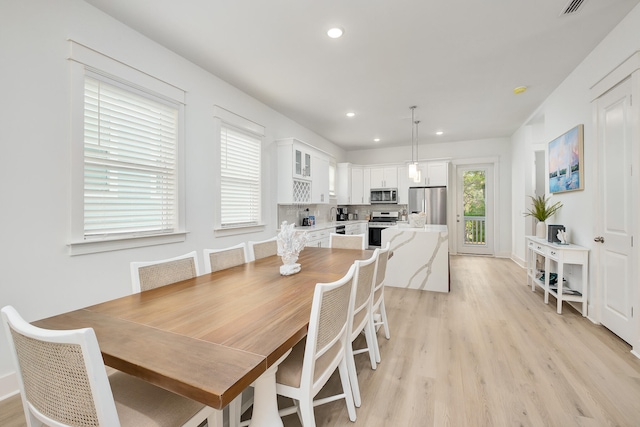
[[599, 239]]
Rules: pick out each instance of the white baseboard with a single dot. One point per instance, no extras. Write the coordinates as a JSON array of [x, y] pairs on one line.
[[8, 386], [522, 263]]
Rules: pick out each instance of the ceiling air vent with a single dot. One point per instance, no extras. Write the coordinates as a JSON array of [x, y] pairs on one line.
[[572, 7]]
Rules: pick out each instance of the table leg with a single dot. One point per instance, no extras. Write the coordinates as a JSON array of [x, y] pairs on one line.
[[560, 287], [265, 399], [547, 266]]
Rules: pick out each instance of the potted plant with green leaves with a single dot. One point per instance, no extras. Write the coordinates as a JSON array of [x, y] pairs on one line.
[[541, 210]]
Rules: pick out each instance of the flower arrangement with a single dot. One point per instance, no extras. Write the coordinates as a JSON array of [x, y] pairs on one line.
[[290, 244]]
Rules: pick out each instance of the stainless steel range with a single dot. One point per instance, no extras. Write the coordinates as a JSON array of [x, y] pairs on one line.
[[378, 222]]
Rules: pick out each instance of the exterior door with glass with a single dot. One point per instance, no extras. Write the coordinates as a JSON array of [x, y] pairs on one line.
[[474, 209]]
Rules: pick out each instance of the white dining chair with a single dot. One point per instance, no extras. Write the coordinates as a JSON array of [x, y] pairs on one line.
[[63, 382], [262, 249], [220, 259], [378, 309], [147, 275], [314, 359], [361, 320], [343, 241]]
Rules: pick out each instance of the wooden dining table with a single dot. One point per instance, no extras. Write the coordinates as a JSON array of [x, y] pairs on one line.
[[210, 337]]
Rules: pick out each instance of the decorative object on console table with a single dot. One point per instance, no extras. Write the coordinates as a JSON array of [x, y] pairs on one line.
[[563, 237], [552, 234], [541, 211], [290, 243]]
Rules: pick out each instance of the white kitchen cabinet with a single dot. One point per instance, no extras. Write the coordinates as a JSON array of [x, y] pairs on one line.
[[303, 173], [320, 179], [437, 173], [301, 162], [433, 174], [319, 238], [354, 185], [384, 177], [360, 186]]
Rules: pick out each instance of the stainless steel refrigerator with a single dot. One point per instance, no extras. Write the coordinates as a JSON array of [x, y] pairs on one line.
[[430, 200]]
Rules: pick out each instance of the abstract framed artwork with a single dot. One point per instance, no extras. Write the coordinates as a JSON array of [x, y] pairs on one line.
[[566, 165]]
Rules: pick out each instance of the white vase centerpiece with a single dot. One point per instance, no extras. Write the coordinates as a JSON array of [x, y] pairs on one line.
[[290, 244]]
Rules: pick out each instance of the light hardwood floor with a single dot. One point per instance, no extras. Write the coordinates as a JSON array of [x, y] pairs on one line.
[[490, 353]]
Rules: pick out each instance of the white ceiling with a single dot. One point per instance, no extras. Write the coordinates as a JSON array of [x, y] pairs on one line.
[[457, 60]]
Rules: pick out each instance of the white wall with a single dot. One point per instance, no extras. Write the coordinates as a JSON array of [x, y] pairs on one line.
[[499, 148], [37, 275], [568, 106]]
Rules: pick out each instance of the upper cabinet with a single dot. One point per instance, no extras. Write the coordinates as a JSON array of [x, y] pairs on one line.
[[302, 162], [354, 184], [433, 174], [320, 179], [303, 173], [384, 177], [437, 173]]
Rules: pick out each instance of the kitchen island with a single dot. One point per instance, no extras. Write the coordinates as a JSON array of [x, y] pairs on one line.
[[420, 257]]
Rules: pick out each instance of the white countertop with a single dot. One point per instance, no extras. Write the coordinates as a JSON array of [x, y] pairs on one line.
[[429, 228]]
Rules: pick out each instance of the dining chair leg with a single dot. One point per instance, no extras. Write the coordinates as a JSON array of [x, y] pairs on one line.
[[376, 344], [385, 322], [353, 375], [346, 388], [369, 332], [306, 411]]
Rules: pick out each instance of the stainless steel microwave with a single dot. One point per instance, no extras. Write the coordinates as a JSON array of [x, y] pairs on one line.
[[384, 195]]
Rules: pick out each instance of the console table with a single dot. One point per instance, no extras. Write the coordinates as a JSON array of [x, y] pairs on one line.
[[556, 256]]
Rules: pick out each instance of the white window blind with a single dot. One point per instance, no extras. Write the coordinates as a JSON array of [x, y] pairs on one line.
[[130, 158], [239, 178]]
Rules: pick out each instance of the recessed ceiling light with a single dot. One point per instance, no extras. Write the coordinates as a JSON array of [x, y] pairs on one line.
[[439, 132], [519, 90], [335, 33], [376, 139], [351, 114]]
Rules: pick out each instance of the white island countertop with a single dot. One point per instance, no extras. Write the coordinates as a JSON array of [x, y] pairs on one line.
[[420, 257], [429, 228]]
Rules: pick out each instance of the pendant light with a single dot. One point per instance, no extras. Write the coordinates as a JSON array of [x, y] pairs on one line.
[[418, 175], [413, 166]]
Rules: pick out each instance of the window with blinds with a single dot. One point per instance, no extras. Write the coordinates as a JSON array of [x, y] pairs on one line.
[[130, 162], [240, 159]]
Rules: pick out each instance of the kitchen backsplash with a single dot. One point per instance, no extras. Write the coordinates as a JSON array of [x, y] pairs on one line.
[[325, 213]]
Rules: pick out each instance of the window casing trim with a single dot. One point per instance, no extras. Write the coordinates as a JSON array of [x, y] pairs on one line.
[[226, 118], [85, 61]]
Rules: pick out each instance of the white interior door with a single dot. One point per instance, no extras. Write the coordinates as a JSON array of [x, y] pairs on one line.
[[616, 227], [474, 209]]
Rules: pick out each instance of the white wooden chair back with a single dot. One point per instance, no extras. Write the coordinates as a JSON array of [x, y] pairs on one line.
[[304, 373], [221, 259], [343, 241], [262, 249], [63, 382], [70, 364], [147, 275]]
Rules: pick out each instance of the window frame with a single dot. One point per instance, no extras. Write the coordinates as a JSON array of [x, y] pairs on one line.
[[224, 117], [85, 61]]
